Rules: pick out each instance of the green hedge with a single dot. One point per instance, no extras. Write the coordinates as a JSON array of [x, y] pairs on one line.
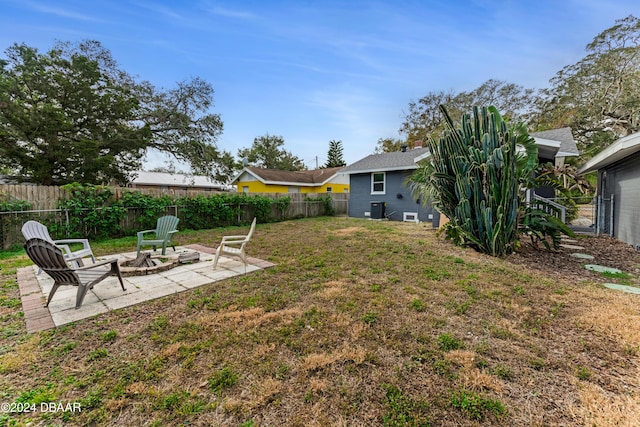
[[94, 211]]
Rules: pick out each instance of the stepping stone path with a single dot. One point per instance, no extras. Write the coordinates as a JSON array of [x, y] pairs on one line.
[[623, 288], [575, 247], [582, 256], [602, 269], [568, 244]]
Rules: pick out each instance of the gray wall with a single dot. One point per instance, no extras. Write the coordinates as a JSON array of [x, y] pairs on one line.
[[622, 179], [360, 197]]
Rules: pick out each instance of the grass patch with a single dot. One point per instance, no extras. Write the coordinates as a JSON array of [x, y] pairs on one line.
[[222, 379], [403, 411], [359, 323], [448, 342], [475, 406]]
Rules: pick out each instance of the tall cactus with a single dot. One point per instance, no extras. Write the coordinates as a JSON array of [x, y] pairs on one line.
[[474, 177]]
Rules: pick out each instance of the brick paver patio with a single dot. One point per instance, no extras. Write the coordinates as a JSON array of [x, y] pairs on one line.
[[108, 295]]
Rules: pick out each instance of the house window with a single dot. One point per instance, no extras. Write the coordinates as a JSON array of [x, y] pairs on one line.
[[329, 190], [245, 188], [378, 182]]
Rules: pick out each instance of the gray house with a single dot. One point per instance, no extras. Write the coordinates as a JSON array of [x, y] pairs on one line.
[[553, 147], [618, 201], [377, 187]]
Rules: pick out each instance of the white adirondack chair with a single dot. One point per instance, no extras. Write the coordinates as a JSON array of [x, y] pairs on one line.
[[234, 245]]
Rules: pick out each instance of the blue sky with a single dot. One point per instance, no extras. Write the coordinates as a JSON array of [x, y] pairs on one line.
[[315, 71]]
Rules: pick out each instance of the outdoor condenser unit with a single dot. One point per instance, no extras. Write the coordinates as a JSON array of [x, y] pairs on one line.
[[377, 210]]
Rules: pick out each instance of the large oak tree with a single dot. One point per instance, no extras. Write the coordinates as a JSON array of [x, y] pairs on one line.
[[598, 96], [424, 118], [71, 114]]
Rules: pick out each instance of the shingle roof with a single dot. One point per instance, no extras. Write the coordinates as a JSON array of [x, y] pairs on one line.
[[396, 160], [567, 143], [317, 176], [174, 179]]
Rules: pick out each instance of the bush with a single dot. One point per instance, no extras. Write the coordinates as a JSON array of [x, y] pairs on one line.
[[92, 211]]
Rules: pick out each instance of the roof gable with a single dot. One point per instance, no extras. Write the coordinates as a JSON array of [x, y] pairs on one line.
[[174, 179], [316, 177], [395, 160], [564, 136]]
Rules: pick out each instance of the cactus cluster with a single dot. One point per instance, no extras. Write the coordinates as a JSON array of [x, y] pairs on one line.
[[476, 175]]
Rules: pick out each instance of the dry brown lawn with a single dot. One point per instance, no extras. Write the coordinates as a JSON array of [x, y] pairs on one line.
[[361, 323]]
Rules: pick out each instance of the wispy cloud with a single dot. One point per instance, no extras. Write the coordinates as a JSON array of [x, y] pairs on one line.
[[160, 10], [230, 13], [354, 110], [57, 11]]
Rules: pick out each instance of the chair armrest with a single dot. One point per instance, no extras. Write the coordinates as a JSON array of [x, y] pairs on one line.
[[171, 233], [97, 264], [66, 250], [230, 238], [85, 242], [142, 233]]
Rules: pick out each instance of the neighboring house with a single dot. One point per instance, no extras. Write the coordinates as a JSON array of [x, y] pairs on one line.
[[378, 187], [618, 201], [176, 181], [378, 190], [554, 146], [257, 180]]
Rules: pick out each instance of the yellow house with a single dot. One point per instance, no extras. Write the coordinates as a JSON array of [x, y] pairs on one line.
[[257, 180]]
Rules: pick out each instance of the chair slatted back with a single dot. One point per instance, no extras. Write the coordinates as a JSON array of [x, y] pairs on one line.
[[253, 227], [33, 229], [164, 225], [51, 260]]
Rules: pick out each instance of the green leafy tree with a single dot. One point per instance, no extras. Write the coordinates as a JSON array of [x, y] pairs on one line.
[[388, 145], [72, 115], [599, 96], [66, 116], [180, 125], [424, 119], [335, 155], [267, 152]]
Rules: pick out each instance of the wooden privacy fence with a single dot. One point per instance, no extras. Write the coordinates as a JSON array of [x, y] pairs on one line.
[[41, 197], [301, 206]]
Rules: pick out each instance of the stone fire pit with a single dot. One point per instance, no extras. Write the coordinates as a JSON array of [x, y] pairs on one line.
[[151, 264]]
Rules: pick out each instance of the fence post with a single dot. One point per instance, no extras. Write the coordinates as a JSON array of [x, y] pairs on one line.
[[66, 217], [611, 217]]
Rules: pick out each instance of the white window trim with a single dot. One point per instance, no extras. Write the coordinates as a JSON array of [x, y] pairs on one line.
[[384, 183]]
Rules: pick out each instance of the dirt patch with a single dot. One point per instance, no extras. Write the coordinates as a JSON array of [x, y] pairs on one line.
[[349, 231], [606, 251]]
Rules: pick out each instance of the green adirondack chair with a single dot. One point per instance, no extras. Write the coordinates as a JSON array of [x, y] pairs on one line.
[[164, 231]]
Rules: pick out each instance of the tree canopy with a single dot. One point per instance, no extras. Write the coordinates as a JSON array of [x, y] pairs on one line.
[[424, 118], [335, 155], [267, 152], [71, 114], [598, 96]]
